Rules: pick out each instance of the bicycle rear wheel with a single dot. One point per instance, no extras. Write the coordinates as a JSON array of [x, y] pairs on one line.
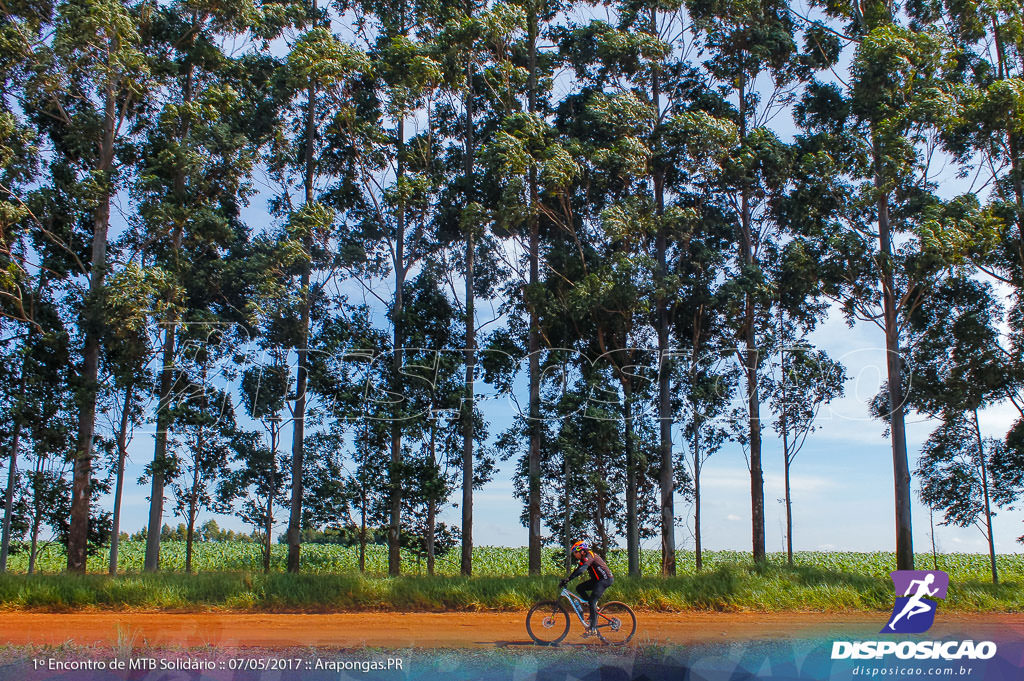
[[616, 623], [547, 622]]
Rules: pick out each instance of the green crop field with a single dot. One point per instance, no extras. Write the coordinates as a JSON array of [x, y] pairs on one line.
[[496, 560], [230, 578]]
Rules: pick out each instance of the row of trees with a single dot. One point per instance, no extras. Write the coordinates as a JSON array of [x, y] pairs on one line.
[[628, 195]]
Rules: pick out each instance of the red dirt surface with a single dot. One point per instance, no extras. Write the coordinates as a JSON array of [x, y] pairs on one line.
[[451, 630]]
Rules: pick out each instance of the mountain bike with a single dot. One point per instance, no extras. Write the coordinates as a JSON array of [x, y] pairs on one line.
[[548, 621]]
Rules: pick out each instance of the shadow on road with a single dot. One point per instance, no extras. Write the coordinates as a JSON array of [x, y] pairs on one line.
[[531, 644]]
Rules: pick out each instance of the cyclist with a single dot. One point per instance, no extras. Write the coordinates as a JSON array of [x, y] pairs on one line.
[[600, 578]]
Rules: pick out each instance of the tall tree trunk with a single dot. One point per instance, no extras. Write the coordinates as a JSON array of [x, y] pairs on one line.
[[268, 515], [431, 524], [37, 516], [395, 477], [163, 418], [931, 524], [751, 357], [33, 550], [894, 367], [362, 530], [268, 527], [632, 519], [299, 416], [466, 567], [567, 538], [604, 542], [93, 318], [697, 424], [666, 482], [988, 503], [163, 425], [12, 479], [431, 501], [122, 453], [786, 461], [789, 506], [193, 512], [697, 546], [533, 463], [752, 363]]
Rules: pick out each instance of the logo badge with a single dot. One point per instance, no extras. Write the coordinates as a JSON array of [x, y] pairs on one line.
[[914, 613]]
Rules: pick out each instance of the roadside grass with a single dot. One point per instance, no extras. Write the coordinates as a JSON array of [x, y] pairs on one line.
[[730, 586]]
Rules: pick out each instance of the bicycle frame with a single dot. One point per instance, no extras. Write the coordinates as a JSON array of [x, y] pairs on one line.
[[578, 604]]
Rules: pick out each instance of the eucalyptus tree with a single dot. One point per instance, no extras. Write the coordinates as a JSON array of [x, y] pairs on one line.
[[459, 55], [9, 385], [88, 83], [707, 380], [44, 499], [873, 209], [391, 235], [480, 86], [50, 434], [527, 171], [342, 485], [804, 380], [611, 123], [634, 61], [959, 369], [367, 502], [692, 140], [437, 391], [537, 107], [27, 268], [586, 464], [687, 143], [40, 403], [205, 428], [322, 73], [986, 133], [197, 156], [13, 379], [955, 470], [133, 292], [754, 56], [256, 487], [23, 28], [1008, 471]]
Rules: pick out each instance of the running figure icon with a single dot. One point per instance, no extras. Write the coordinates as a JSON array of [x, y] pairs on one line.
[[914, 606], [916, 586]]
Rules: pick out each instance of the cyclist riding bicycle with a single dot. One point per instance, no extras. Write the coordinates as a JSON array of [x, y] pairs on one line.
[[600, 577]]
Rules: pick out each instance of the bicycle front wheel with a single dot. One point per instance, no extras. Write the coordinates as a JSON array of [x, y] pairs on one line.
[[616, 623], [547, 622]]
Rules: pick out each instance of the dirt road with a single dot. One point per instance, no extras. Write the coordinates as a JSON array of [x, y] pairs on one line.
[[450, 630]]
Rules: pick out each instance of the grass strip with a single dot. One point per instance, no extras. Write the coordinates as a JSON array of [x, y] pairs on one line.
[[725, 588]]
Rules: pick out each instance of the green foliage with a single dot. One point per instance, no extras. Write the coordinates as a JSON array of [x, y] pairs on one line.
[[319, 59]]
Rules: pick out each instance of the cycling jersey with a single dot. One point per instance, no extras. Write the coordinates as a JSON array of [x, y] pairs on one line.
[[594, 565]]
